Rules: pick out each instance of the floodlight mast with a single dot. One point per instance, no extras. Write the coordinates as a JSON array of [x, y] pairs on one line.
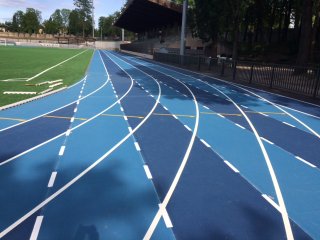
[[183, 28]]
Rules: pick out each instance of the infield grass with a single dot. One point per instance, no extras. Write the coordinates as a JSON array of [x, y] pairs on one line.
[[25, 62]]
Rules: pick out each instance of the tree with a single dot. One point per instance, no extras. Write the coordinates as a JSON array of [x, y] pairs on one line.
[[74, 22], [84, 8], [31, 20], [65, 13], [306, 32], [57, 20], [17, 21], [50, 26]]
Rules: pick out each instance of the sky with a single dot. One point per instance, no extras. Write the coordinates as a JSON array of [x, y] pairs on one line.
[[47, 7]]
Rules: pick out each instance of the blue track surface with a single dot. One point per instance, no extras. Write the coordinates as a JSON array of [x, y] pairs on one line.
[[96, 160]]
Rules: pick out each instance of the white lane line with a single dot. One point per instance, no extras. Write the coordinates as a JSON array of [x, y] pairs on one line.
[[240, 126], [81, 92], [74, 128], [142, 88], [147, 91], [72, 119], [121, 109], [36, 228], [263, 114], [75, 110], [137, 146], [79, 97], [78, 102], [165, 108], [151, 95], [188, 128], [147, 170], [117, 96], [174, 116], [231, 166], [269, 200], [266, 140], [84, 172], [185, 95], [52, 179], [165, 216], [61, 152], [205, 143], [289, 124], [284, 213], [114, 92], [130, 129], [216, 95], [125, 118], [68, 132], [247, 95], [306, 162], [206, 107], [220, 115], [244, 106]]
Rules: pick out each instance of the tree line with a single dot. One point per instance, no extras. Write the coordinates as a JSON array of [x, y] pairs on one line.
[[290, 26], [78, 21]]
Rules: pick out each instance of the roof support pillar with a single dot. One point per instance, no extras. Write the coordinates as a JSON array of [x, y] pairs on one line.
[[183, 28]]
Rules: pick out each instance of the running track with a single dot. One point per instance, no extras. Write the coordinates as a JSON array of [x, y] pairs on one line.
[[139, 149]]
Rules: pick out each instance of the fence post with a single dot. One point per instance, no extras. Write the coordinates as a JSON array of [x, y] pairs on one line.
[[234, 70], [222, 68], [199, 63], [251, 74], [272, 77], [209, 64], [317, 84]]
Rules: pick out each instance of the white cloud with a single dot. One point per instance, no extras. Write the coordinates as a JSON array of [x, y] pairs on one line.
[[12, 3]]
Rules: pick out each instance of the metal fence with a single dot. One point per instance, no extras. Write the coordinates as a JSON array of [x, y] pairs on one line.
[[295, 79]]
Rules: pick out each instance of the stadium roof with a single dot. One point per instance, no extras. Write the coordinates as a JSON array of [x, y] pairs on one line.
[[143, 15]]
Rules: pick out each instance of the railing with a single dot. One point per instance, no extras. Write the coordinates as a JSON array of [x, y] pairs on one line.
[[295, 79]]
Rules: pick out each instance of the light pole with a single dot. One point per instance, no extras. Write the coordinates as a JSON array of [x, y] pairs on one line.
[[183, 28], [122, 31]]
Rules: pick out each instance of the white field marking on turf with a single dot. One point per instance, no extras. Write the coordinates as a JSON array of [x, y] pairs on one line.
[[188, 128], [269, 200], [266, 140], [76, 127], [68, 132], [36, 228], [206, 107], [130, 129], [125, 118], [240, 126], [61, 152], [231, 166], [52, 179], [137, 146], [147, 171], [72, 119], [306, 162], [263, 114], [244, 106], [275, 182], [48, 69], [174, 116], [74, 180], [165, 216], [173, 186], [220, 115], [289, 124], [205, 143]]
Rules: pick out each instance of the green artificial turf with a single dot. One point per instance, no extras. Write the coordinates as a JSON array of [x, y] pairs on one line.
[[23, 62]]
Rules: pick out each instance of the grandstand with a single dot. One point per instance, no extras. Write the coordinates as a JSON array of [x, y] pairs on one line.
[[157, 24]]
